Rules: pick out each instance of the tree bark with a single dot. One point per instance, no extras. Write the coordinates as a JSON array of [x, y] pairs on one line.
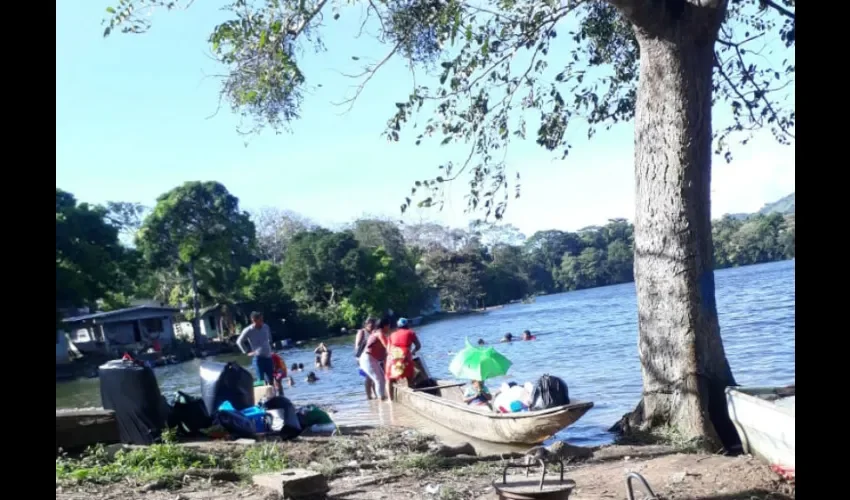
[[684, 365], [196, 307]]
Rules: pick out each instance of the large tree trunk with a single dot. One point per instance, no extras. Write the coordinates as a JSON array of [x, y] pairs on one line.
[[196, 306], [685, 370]]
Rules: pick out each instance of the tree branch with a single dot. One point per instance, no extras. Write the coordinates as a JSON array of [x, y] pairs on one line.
[[759, 94], [298, 29], [775, 6], [369, 73]]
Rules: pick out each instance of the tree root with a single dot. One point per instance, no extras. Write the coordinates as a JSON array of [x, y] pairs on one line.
[[638, 425]]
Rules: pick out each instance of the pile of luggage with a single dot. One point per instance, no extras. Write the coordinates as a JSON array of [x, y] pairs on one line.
[[547, 392], [226, 407]]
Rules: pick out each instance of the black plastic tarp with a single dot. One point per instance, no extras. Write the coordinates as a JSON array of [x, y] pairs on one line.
[[222, 382], [285, 419], [189, 415], [132, 392]]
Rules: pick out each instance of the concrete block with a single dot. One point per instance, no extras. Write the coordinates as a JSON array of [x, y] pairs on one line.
[[294, 483]]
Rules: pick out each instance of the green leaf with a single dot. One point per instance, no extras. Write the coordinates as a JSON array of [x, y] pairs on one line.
[[456, 25], [110, 10]]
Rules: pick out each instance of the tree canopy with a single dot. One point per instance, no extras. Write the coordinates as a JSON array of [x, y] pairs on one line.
[[88, 255], [197, 231]]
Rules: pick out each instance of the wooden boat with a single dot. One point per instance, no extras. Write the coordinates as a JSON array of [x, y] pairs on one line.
[[766, 422], [444, 405]]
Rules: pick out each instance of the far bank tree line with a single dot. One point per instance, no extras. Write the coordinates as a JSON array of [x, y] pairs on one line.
[[197, 247]]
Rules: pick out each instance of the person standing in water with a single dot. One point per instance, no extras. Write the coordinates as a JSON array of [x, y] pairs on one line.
[[360, 350], [255, 341], [402, 346], [373, 358], [323, 356]]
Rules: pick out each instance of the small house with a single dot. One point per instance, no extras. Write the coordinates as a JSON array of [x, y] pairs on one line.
[[134, 327], [62, 347], [216, 321]]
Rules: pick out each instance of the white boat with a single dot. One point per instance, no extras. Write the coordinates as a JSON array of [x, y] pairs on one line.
[[766, 422]]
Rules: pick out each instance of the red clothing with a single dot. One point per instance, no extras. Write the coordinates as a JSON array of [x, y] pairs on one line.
[[278, 365], [374, 346], [400, 361]]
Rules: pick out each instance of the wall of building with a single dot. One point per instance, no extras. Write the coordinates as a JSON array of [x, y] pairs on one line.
[[62, 348], [209, 326], [121, 330]]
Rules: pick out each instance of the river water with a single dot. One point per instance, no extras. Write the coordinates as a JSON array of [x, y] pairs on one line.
[[588, 338]]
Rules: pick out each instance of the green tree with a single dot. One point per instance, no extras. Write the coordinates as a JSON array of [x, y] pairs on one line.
[[788, 237], [262, 288], [620, 262], [379, 233], [662, 64], [88, 255], [390, 284], [545, 250], [322, 267], [753, 239], [198, 230], [127, 217], [458, 275], [275, 229], [586, 270]]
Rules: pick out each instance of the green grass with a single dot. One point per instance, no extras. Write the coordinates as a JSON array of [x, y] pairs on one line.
[[164, 462], [141, 465], [259, 459], [422, 462]]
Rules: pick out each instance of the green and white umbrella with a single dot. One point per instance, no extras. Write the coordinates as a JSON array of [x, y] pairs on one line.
[[479, 363]]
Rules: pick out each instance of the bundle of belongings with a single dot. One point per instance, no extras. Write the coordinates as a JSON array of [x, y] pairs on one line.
[[226, 408], [548, 392]]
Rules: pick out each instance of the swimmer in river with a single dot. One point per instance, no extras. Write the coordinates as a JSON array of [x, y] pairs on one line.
[[507, 338], [312, 378], [323, 356], [481, 342], [526, 335]]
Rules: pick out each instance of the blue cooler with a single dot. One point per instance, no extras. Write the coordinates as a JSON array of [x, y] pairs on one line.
[[257, 415]]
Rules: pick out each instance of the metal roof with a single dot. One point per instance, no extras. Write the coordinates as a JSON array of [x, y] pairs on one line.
[[118, 312]]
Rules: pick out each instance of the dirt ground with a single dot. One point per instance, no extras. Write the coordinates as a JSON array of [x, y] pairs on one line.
[[377, 465]]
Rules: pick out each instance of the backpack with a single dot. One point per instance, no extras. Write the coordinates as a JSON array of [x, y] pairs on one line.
[[549, 392]]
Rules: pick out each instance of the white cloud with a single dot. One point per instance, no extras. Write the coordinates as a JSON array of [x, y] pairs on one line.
[[761, 172]]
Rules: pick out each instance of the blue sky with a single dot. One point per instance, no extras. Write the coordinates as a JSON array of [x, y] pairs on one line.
[[132, 121]]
